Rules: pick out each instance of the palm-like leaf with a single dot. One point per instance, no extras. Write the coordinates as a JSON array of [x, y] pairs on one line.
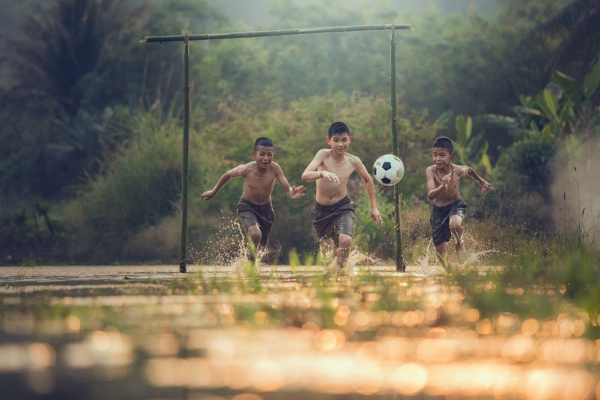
[[577, 28], [61, 45]]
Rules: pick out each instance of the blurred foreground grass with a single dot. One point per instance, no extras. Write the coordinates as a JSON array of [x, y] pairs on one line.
[[524, 330]]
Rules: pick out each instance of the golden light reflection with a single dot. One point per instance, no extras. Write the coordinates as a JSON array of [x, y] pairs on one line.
[[484, 327], [578, 328], [505, 322], [168, 371], [266, 376], [261, 317], [395, 348], [165, 345], [327, 340], [370, 353], [410, 319], [579, 386], [343, 311], [530, 327], [409, 379], [367, 379], [247, 396], [101, 340], [468, 341], [431, 315], [310, 327], [220, 348], [437, 333], [541, 385], [518, 348], [361, 320], [73, 323], [398, 318], [42, 355], [471, 315], [239, 377]]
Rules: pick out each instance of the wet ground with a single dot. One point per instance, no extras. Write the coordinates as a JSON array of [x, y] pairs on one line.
[[279, 332]]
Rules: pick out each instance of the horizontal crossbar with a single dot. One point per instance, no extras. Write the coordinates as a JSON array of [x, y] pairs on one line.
[[283, 32]]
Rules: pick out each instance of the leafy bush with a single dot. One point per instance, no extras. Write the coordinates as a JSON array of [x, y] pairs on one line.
[[138, 186]]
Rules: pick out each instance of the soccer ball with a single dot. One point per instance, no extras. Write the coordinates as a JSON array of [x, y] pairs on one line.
[[388, 170]]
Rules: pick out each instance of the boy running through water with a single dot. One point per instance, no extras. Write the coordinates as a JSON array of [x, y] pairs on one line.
[[333, 213], [442, 187], [255, 211]]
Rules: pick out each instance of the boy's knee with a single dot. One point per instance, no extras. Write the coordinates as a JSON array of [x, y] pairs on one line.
[[455, 224], [345, 241], [255, 234]]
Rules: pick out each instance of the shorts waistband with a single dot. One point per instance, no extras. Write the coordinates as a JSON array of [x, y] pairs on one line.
[[447, 206], [332, 207], [256, 206]]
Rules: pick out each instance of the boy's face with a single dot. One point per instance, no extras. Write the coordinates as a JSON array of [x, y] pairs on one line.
[[339, 142], [442, 157], [263, 156]]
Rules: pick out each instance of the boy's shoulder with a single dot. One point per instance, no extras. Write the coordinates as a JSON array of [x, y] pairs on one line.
[[276, 166], [462, 169], [245, 168], [353, 159]]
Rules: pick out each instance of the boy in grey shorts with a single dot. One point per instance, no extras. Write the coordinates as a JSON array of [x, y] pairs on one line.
[[255, 211], [333, 213]]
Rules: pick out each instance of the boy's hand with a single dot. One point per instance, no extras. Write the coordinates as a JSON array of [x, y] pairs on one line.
[[208, 195], [297, 192], [375, 216], [331, 176], [446, 179], [485, 186]]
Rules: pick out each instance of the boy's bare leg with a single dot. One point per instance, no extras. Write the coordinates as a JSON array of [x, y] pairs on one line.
[[440, 251], [343, 251], [256, 236], [457, 230]]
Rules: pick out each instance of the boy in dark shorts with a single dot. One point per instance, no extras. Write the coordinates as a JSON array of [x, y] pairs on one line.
[[255, 211], [333, 213], [442, 188]]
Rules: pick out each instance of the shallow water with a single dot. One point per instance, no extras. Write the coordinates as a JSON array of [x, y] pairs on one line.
[[228, 332]]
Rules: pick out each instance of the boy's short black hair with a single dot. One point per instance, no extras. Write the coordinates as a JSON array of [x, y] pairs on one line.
[[263, 141], [338, 127], [444, 142]]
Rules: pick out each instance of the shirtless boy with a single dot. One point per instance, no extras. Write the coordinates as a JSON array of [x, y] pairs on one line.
[[333, 213], [255, 211], [442, 187]]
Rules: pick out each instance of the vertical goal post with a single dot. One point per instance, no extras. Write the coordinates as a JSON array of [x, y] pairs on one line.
[[186, 38]]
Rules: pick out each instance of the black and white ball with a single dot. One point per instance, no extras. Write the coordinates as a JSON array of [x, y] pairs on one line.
[[388, 170]]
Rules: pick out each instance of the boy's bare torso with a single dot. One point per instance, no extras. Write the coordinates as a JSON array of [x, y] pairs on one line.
[[451, 193], [259, 182], [329, 192]]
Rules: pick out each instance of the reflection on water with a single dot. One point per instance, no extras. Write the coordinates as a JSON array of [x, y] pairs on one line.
[[219, 334]]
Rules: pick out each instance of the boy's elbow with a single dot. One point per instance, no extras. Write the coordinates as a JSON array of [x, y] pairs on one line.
[[304, 177]]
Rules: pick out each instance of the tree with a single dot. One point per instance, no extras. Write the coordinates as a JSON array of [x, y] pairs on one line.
[[576, 29], [60, 46]]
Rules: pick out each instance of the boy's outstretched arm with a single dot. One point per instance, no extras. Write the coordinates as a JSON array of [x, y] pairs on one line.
[[485, 185], [362, 171], [237, 171], [293, 192], [311, 173]]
